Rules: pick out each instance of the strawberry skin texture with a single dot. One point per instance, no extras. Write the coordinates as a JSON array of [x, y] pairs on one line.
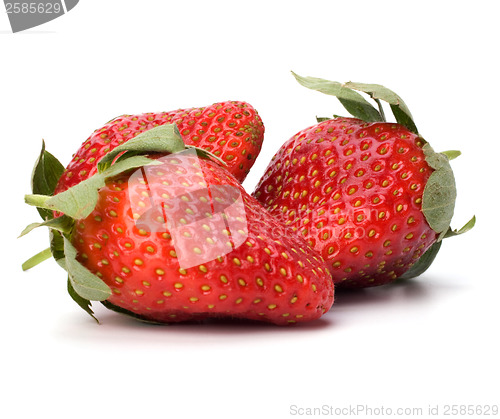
[[353, 190], [270, 275], [231, 130]]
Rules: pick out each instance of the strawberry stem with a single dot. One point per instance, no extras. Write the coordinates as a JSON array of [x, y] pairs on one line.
[[36, 259]]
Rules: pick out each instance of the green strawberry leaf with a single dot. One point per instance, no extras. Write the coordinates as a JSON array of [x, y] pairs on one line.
[[82, 302], [451, 154], [58, 225], [46, 173], [44, 178], [404, 118], [162, 139], [354, 103], [36, 200], [84, 283], [398, 107], [423, 263], [80, 200], [435, 160], [57, 247], [467, 227], [76, 202], [63, 224], [37, 259], [438, 205], [440, 192]]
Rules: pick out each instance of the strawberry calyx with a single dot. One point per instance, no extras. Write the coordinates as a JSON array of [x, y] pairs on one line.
[[79, 201], [357, 105], [439, 196], [161, 139]]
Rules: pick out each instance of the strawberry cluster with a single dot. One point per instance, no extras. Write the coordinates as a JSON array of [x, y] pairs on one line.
[[150, 217]]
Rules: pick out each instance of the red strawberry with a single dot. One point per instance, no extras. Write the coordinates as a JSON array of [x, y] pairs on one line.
[[370, 197], [233, 131], [180, 239]]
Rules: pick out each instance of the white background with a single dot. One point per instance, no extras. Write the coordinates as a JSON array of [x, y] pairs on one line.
[[431, 341]]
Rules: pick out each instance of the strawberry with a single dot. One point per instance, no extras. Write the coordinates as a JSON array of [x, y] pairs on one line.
[[233, 131], [175, 237], [370, 196]]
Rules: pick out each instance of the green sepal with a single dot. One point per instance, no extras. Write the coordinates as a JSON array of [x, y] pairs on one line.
[[399, 109], [58, 225], [57, 247], [438, 206], [44, 178], [37, 259], [354, 103], [452, 154], [162, 139], [423, 263], [467, 227], [82, 302], [64, 224], [37, 200], [80, 200], [85, 283], [440, 192], [357, 105], [403, 118]]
